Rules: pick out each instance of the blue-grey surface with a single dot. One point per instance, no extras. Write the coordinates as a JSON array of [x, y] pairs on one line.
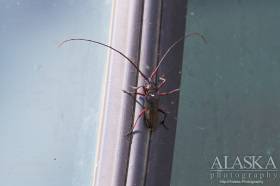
[[50, 97], [230, 93]]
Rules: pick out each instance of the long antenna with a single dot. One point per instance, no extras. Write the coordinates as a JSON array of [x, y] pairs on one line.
[[172, 46], [96, 42]]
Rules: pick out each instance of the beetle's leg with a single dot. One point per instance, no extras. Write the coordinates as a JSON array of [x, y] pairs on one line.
[[164, 118], [139, 103], [139, 116], [136, 88], [133, 98], [134, 93], [163, 81], [170, 92]]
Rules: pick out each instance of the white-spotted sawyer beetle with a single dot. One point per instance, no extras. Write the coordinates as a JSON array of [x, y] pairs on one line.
[[150, 94]]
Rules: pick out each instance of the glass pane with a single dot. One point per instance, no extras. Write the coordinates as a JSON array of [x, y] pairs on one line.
[[50, 96], [229, 102]]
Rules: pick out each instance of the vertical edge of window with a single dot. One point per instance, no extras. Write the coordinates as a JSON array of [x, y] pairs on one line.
[[140, 146], [127, 108], [99, 142], [118, 109], [173, 22]]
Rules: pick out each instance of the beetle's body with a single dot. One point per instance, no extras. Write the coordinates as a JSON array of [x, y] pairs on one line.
[[150, 94], [151, 105]]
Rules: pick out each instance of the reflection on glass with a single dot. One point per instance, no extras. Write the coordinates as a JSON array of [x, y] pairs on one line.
[[229, 102], [50, 96]]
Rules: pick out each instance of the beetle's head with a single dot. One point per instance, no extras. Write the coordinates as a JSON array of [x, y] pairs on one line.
[[150, 86]]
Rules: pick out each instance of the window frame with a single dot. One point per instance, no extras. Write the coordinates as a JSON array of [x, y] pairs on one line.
[[144, 159]]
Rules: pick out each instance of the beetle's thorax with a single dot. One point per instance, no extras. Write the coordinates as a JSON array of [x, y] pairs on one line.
[[152, 97], [151, 94]]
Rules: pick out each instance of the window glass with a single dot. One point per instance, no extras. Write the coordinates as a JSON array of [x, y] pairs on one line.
[[229, 102], [50, 96]]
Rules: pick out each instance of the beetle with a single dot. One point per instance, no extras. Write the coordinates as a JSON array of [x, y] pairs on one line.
[[150, 93]]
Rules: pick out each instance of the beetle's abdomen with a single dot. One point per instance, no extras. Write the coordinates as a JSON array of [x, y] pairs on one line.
[[151, 118], [151, 114]]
